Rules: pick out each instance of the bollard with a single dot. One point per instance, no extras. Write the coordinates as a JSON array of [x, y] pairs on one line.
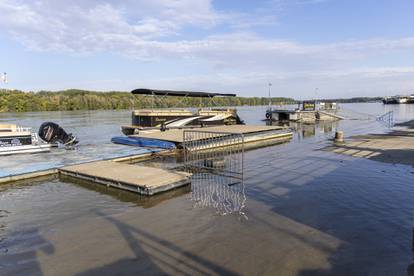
[[339, 137]]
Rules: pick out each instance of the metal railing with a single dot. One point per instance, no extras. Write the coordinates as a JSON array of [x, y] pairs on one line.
[[216, 161], [216, 152], [387, 119]]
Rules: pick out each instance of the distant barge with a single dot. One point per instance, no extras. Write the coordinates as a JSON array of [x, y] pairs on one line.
[[399, 100], [163, 118]]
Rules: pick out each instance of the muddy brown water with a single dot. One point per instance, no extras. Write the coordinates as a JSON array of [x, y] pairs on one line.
[[298, 211]]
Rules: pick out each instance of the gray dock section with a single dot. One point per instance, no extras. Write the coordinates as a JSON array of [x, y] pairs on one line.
[[135, 178], [255, 133]]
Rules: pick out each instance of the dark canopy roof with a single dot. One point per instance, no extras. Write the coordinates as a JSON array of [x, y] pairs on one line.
[[144, 91]]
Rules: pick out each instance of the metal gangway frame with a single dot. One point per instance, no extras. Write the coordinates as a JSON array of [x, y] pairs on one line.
[[215, 152], [387, 119], [158, 96], [216, 161]]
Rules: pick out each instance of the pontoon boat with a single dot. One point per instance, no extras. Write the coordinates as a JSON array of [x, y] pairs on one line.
[[15, 140], [179, 118]]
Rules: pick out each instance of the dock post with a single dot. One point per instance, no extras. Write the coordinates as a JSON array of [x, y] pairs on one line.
[[339, 137]]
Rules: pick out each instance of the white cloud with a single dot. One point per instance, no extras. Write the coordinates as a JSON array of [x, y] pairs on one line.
[[78, 26]]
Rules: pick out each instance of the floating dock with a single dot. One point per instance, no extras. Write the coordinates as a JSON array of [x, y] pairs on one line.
[[252, 134], [121, 174], [134, 178]]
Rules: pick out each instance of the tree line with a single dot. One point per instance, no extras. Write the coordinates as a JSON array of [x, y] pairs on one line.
[[74, 99]]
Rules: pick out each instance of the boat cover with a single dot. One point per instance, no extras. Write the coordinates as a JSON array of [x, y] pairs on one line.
[[142, 142], [144, 91]]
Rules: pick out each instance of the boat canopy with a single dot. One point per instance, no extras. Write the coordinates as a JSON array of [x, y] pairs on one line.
[[144, 91]]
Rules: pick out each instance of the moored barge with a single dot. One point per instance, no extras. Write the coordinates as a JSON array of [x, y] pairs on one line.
[[399, 99]]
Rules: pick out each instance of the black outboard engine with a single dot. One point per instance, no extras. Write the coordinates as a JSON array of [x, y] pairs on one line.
[[53, 133]]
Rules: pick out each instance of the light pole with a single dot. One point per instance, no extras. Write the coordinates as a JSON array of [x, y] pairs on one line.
[[4, 77], [270, 99]]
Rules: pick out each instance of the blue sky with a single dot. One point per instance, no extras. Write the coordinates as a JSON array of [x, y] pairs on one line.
[[344, 48]]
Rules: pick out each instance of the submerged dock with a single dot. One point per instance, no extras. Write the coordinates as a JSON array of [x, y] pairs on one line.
[[394, 147]]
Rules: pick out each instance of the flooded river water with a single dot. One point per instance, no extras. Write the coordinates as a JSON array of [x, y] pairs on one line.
[[300, 210]]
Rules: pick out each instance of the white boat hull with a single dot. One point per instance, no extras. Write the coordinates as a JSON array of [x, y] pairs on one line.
[[25, 149], [402, 100]]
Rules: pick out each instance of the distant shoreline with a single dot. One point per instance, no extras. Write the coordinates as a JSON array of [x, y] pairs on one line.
[[74, 99]]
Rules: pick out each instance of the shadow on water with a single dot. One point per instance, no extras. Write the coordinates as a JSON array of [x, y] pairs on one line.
[[392, 156], [369, 210], [158, 252], [20, 256]]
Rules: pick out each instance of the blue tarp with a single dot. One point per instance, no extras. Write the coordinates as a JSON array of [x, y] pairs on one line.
[[143, 142]]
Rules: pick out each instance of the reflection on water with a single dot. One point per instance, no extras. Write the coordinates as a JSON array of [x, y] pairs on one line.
[[224, 194], [303, 130]]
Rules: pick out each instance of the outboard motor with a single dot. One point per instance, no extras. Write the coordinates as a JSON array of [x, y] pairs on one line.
[[53, 133]]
